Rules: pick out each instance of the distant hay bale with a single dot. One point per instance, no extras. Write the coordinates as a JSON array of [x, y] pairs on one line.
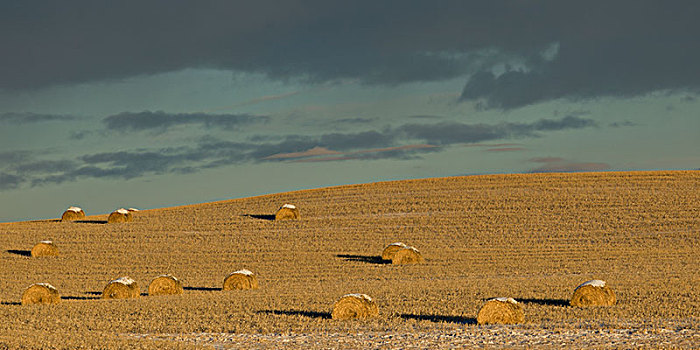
[[242, 279], [593, 293], [501, 311], [44, 248], [287, 212], [391, 249], [41, 293], [354, 306], [121, 288], [407, 255], [119, 215], [73, 213], [165, 285]]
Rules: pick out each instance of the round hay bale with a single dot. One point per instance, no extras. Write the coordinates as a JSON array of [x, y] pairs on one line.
[[391, 249], [73, 213], [407, 255], [287, 212], [501, 311], [242, 279], [119, 215], [593, 293], [44, 248], [121, 288], [41, 293], [165, 285], [354, 306]]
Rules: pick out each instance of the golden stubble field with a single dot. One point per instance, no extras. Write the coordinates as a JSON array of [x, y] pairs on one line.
[[530, 237]]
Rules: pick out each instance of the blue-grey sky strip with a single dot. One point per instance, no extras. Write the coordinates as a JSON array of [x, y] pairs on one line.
[[390, 143]]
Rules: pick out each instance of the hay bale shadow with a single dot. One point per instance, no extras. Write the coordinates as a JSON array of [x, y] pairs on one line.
[[94, 293], [10, 303], [102, 222], [20, 252], [439, 318], [370, 259], [547, 302], [268, 217], [206, 289], [71, 297], [312, 314]]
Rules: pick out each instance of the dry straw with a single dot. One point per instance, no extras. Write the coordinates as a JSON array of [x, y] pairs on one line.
[[407, 255], [73, 213], [593, 293], [44, 248], [242, 279], [119, 215], [391, 249], [501, 311], [41, 293], [121, 288], [354, 306], [287, 212], [165, 285]]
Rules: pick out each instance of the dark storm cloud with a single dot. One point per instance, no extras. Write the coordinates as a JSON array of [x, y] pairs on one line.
[[10, 181], [27, 118], [620, 49], [568, 122], [14, 157], [450, 132], [45, 166], [516, 52], [426, 117], [377, 42], [354, 120], [403, 142], [621, 124], [161, 121], [81, 134]]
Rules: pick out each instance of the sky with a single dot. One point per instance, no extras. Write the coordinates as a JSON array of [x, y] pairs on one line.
[[148, 104]]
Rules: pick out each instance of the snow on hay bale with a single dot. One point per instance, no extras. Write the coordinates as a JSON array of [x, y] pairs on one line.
[[41, 293], [391, 249], [287, 212], [165, 285], [119, 215], [121, 288], [501, 311], [241, 279], [73, 213], [593, 293], [407, 255], [354, 306], [44, 248]]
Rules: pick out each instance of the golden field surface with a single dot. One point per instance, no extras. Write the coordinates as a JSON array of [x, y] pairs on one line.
[[531, 237]]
